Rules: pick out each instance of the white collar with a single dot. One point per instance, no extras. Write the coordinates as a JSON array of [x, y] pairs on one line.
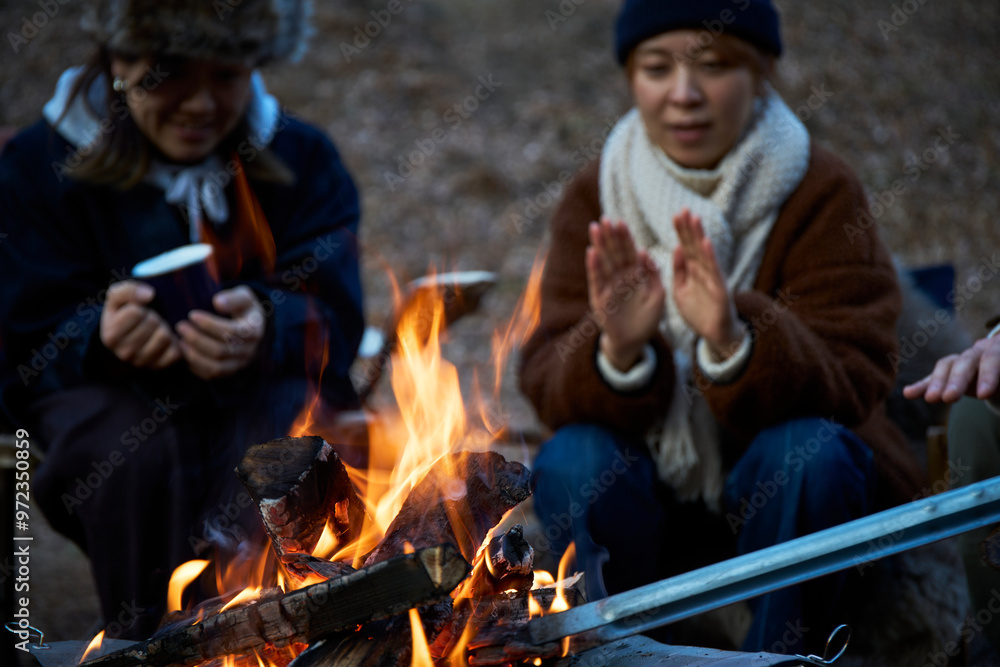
[[80, 127]]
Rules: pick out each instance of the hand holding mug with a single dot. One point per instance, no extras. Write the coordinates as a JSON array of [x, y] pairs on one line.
[[135, 333], [215, 346]]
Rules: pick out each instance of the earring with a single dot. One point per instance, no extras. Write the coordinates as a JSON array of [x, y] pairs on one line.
[[119, 84]]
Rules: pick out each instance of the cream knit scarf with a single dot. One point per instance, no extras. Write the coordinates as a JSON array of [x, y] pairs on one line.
[[738, 202]]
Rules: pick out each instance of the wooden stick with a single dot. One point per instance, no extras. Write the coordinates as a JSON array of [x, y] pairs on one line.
[[305, 615]]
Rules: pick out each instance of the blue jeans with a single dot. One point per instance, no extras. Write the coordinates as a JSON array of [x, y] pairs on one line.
[[602, 490]]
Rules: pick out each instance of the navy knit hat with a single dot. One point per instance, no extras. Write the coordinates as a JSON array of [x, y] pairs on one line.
[[756, 21]]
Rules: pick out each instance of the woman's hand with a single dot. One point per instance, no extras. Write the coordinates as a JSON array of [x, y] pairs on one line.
[[975, 372], [626, 292], [133, 332], [700, 289], [216, 346]]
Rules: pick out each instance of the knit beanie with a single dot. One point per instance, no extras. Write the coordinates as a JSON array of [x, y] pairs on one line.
[[756, 21], [259, 30]]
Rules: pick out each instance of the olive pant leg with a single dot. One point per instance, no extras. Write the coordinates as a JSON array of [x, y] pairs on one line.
[[974, 455]]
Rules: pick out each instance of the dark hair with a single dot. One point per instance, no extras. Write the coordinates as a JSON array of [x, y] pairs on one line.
[[121, 154], [760, 63]]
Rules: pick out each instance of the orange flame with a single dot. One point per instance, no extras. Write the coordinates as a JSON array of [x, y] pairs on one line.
[[534, 609], [180, 579], [94, 645], [559, 603], [428, 421], [527, 315], [421, 651], [248, 593]]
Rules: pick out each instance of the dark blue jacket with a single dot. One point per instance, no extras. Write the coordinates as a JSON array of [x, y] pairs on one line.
[[63, 242]]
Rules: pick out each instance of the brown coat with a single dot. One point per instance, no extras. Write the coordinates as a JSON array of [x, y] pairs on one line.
[[822, 316]]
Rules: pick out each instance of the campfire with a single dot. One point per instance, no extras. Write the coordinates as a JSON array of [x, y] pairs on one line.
[[403, 563]]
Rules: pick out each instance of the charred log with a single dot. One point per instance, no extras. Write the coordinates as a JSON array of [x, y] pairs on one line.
[[389, 642], [302, 566], [306, 615], [458, 501], [299, 485]]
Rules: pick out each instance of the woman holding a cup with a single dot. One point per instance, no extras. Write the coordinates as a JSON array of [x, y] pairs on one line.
[[168, 137]]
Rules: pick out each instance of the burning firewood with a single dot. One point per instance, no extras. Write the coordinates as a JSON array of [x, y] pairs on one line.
[[510, 559], [306, 615], [504, 564], [389, 642], [300, 485], [385, 643], [459, 501], [303, 565]]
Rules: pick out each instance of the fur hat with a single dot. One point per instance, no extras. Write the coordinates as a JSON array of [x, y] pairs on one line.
[[261, 30], [756, 21]]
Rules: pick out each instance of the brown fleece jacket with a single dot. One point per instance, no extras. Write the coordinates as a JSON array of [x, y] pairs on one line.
[[822, 318]]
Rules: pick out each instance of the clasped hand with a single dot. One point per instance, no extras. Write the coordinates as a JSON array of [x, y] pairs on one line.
[[212, 346], [626, 290]]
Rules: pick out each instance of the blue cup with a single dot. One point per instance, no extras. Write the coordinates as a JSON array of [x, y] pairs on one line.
[[184, 280]]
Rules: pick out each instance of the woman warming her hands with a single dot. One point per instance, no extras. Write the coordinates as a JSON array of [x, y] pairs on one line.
[[714, 351], [168, 137]]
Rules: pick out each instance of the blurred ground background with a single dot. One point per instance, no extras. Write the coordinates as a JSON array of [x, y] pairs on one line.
[[894, 81]]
